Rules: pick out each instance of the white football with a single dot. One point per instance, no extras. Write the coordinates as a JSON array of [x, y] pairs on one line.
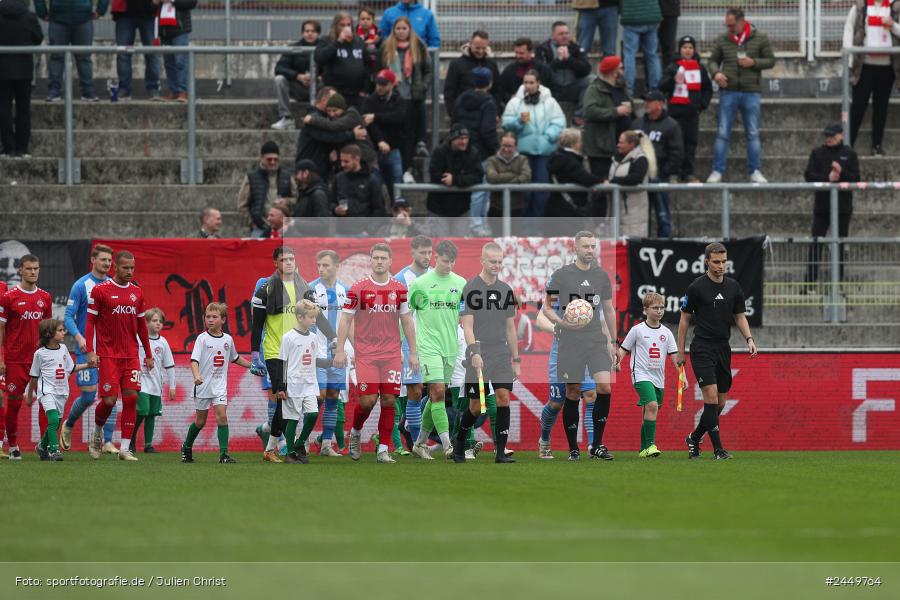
[[579, 312]]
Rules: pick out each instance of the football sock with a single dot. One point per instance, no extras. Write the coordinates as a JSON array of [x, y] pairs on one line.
[[491, 404], [137, 427], [548, 420], [2, 423], [125, 444], [79, 406], [53, 430], [272, 444], [470, 437], [385, 425], [101, 414], [465, 428], [697, 434], [129, 414], [290, 431], [502, 429], [427, 423], [339, 427], [441, 422], [12, 420], [277, 421], [309, 423], [413, 417], [649, 433], [222, 434], [395, 430], [110, 427], [600, 415], [589, 422], [360, 414], [149, 426], [570, 422], [719, 408], [711, 417], [643, 435], [193, 432], [329, 418]]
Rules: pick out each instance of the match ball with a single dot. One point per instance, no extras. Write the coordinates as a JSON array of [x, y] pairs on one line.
[[579, 312]]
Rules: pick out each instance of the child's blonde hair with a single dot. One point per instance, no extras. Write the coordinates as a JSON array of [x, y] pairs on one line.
[[154, 312], [219, 307], [306, 307], [652, 298], [47, 330]]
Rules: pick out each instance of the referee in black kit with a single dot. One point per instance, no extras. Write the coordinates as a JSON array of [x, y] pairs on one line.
[[488, 320], [714, 302]]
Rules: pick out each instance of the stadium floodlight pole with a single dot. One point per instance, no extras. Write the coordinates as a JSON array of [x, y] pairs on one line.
[[726, 213], [68, 176], [616, 211], [228, 42], [834, 316], [845, 95], [192, 123], [507, 212]]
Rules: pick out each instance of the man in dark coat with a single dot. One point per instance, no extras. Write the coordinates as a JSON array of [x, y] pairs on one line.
[[18, 27], [665, 134], [292, 78], [359, 195], [475, 54], [454, 164], [567, 61], [512, 75]]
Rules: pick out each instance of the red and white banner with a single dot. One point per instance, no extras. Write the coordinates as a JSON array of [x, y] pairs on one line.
[[793, 401]]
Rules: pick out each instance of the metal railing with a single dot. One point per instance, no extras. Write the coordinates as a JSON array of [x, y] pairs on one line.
[[835, 303], [845, 82]]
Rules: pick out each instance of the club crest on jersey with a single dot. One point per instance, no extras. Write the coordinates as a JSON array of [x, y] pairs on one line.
[[133, 297], [11, 387], [40, 304], [662, 338], [226, 346], [157, 350], [392, 296], [363, 387], [106, 387]]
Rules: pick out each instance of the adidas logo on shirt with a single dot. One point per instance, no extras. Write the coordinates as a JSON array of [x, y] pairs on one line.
[[719, 297], [585, 283]]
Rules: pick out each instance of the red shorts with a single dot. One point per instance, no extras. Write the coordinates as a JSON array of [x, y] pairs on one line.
[[16, 379], [378, 376], [117, 374]]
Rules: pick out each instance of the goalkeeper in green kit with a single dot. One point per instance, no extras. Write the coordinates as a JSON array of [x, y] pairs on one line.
[[435, 297]]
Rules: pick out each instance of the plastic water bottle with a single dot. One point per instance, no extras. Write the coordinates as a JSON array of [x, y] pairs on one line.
[[113, 87]]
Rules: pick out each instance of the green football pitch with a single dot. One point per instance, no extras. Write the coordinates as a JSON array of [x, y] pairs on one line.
[[750, 527]]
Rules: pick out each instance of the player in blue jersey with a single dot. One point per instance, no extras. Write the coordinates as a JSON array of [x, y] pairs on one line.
[[330, 295], [75, 321], [410, 402]]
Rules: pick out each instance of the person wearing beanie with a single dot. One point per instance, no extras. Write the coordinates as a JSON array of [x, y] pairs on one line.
[[568, 62], [640, 21], [607, 114], [688, 89], [342, 124], [476, 110], [315, 143], [474, 54], [264, 186], [313, 208], [454, 164], [343, 60]]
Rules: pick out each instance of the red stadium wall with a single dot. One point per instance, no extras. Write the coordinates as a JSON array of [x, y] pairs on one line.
[[792, 401]]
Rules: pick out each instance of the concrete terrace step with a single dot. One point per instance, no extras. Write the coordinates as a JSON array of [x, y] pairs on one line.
[[707, 223], [150, 198], [113, 224], [778, 201]]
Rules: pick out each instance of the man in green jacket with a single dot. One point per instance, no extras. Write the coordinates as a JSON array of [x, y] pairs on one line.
[[737, 61], [71, 23]]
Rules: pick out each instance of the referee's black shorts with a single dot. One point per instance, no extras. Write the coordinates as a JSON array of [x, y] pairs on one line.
[[497, 370], [711, 362], [575, 355]]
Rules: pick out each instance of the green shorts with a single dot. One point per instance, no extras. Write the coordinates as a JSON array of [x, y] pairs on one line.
[[149, 406], [436, 369], [647, 393]]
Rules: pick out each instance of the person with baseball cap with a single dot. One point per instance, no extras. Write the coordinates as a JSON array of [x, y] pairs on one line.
[[262, 187], [385, 115]]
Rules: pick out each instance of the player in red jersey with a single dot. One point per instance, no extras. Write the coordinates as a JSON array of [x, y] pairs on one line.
[[115, 315], [22, 309], [375, 308]]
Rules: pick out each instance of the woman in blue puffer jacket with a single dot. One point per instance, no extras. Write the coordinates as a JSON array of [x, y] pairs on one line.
[[537, 120]]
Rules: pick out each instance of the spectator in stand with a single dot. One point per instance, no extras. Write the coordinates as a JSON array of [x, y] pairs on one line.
[[368, 32], [263, 187], [569, 63], [342, 59], [421, 19], [279, 220], [668, 28], [476, 110], [832, 162], [292, 78], [476, 53], [689, 90], [602, 15], [18, 27], [358, 193], [385, 116], [872, 24], [607, 114], [174, 26], [737, 61], [210, 223], [455, 164], [131, 16], [634, 164], [404, 53], [537, 119], [402, 224], [512, 75], [665, 134], [70, 24], [567, 166], [342, 121], [508, 166], [317, 144], [313, 207], [640, 20]]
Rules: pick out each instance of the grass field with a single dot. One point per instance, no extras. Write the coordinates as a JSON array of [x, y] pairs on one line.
[[761, 507]]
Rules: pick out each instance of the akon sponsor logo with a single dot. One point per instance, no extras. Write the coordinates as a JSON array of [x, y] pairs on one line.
[[124, 310]]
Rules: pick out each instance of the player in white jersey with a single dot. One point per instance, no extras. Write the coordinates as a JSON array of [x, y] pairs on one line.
[[50, 370], [149, 404], [213, 351], [649, 343]]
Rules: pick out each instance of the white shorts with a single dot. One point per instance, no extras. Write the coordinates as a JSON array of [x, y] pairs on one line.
[[294, 408], [204, 403], [53, 402]]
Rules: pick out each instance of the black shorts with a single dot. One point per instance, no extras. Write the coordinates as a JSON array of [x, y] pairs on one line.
[[497, 371], [275, 367], [576, 355], [711, 362]]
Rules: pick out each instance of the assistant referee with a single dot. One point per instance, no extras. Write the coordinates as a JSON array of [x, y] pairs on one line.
[[713, 301]]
